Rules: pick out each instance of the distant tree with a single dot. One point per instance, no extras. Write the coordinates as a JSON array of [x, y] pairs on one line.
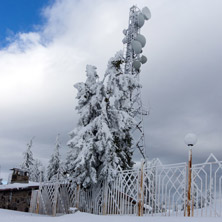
[[54, 169], [37, 172], [28, 160]]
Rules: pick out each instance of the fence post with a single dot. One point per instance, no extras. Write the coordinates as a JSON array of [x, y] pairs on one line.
[[38, 197], [189, 183], [105, 195], [185, 191], [55, 199], [140, 191], [77, 196]]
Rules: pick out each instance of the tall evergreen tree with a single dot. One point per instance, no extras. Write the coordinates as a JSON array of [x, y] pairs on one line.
[[107, 150], [120, 89], [101, 142], [82, 160]]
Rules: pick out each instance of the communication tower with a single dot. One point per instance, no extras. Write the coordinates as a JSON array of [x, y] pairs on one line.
[[134, 42]]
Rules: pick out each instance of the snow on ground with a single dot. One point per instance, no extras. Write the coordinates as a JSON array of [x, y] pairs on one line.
[[15, 216]]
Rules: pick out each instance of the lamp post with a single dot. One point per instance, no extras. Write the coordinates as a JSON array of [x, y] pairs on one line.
[[190, 140]]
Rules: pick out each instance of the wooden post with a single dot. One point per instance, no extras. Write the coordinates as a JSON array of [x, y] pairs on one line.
[[140, 192], [185, 194], [33, 201], [189, 182], [77, 196], [54, 206], [192, 205], [38, 197], [37, 202]]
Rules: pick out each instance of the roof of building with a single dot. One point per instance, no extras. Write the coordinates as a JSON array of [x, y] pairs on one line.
[[18, 169], [19, 186]]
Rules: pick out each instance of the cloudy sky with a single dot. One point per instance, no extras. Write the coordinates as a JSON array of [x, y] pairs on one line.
[[46, 44]]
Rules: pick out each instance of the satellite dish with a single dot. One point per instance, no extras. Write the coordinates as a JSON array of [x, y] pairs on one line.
[[124, 41], [137, 47], [136, 64], [124, 31], [141, 39], [143, 59], [146, 13], [140, 20]]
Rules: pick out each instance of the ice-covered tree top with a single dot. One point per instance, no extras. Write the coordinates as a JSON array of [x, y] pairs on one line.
[[28, 157]]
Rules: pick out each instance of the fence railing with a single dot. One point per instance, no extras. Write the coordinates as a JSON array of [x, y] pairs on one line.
[[154, 189]]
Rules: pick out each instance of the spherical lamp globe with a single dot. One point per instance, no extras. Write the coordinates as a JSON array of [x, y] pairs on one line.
[[190, 139]]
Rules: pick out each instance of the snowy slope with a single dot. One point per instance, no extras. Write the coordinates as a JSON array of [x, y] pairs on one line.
[[15, 216]]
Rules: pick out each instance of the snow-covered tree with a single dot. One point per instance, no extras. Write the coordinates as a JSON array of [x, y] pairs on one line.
[[82, 161], [37, 172], [28, 161], [121, 86], [105, 142], [54, 169], [102, 140], [93, 155], [31, 165], [119, 90]]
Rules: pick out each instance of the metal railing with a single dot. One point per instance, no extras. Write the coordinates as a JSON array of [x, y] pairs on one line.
[[154, 189]]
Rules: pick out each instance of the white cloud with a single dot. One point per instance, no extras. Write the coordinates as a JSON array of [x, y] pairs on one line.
[[38, 69]]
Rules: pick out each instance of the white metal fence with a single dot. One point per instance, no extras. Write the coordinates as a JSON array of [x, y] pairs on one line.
[[154, 189]]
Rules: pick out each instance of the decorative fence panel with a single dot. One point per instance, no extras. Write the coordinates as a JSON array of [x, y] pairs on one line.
[[154, 189], [122, 194], [207, 188], [164, 189], [54, 198]]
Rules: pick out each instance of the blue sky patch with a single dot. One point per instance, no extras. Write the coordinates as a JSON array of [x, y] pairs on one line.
[[20, 16]]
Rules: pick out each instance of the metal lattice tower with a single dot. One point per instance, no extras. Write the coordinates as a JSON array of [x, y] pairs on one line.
[[133, 59]]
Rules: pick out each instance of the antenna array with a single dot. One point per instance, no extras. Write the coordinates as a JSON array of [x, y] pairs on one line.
[[133, 59]]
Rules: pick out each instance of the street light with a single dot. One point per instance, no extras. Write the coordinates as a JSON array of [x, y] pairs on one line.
[[190, 140]]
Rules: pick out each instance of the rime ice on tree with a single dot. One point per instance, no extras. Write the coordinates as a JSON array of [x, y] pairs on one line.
[[31, 165], [109, 110], [28, 161], [119, 89], [101, 142], [82, 161], [37, 173], [54, 169]]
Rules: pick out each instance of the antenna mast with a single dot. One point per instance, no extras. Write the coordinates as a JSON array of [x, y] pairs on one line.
[[133, 59]]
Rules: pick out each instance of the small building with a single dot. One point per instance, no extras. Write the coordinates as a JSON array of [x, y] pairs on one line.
[[16, 195]]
